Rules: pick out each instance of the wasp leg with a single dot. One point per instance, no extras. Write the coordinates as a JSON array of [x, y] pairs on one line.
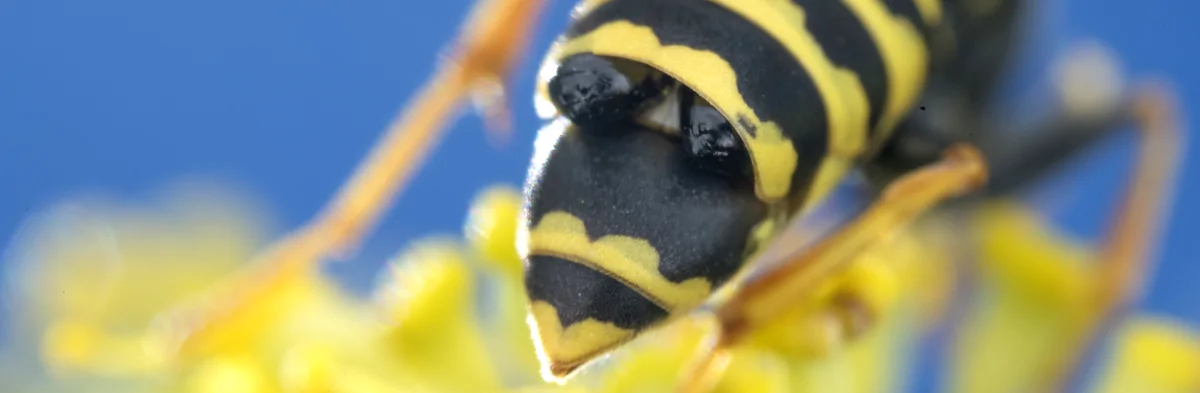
[[492, 42], [1087, 108], [1125, 254], [761, 299], [710, 361], [490, 45]]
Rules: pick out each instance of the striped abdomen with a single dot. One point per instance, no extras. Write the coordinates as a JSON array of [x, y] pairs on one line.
[[623, 232], [808, 84]]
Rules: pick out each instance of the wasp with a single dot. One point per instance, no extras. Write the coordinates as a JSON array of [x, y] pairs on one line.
[[684, 137]]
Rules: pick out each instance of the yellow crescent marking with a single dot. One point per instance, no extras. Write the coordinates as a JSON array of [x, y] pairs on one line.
[[712, 78], [563, 350], [845, 99], [630, 260], [844, 96], [833, 171], [904, 57], [931, 11]]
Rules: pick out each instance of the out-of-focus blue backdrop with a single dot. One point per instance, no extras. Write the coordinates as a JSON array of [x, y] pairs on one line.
[[284, 97]]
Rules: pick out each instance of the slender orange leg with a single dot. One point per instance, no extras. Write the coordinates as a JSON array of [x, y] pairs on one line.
[[759, 300], [1124, 259], [493, 41], [491, 44], [709, 363]]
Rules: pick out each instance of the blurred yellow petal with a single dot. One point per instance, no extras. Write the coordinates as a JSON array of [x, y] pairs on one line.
[[91, 274], [1032, 301], [883, 359], [925, 268], [453, 316], [308, 369], [855, 332], [238, 374], [325, 368], [549, 389], [492, 228], [875, 283], [93, 257], [509, 336], [336, 343], [815, 327], [802, 332], [70, 344], [1153, 355], [1025, 256], [896, 286], [755, 371], [74, 347], [436, 335], [250, 327], [874, 363], [654, 361]]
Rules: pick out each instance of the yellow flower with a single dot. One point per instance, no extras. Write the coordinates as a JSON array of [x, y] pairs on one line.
[[783, 357], [1153, 355], [1034, 287], [1035, 298], [91, 274], [449, 315]]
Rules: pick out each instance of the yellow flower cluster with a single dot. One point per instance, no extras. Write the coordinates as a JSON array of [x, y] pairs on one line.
[[91, 285]]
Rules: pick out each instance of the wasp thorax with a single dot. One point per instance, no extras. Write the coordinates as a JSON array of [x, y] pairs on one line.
[[711, 141], [596, 90]]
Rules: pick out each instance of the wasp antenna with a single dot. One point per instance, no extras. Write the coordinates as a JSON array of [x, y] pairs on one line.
[[1124, 260]]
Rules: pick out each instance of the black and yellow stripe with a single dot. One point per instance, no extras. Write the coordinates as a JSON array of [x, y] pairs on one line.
[[747, 75], [810, 86], [622, 234]]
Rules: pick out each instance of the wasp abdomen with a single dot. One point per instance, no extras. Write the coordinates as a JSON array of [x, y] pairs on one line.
[[623, 232], [578, 293], [581, 311], [628, 225]]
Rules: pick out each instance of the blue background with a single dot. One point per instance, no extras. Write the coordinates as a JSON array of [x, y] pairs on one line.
[[284, 97]]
